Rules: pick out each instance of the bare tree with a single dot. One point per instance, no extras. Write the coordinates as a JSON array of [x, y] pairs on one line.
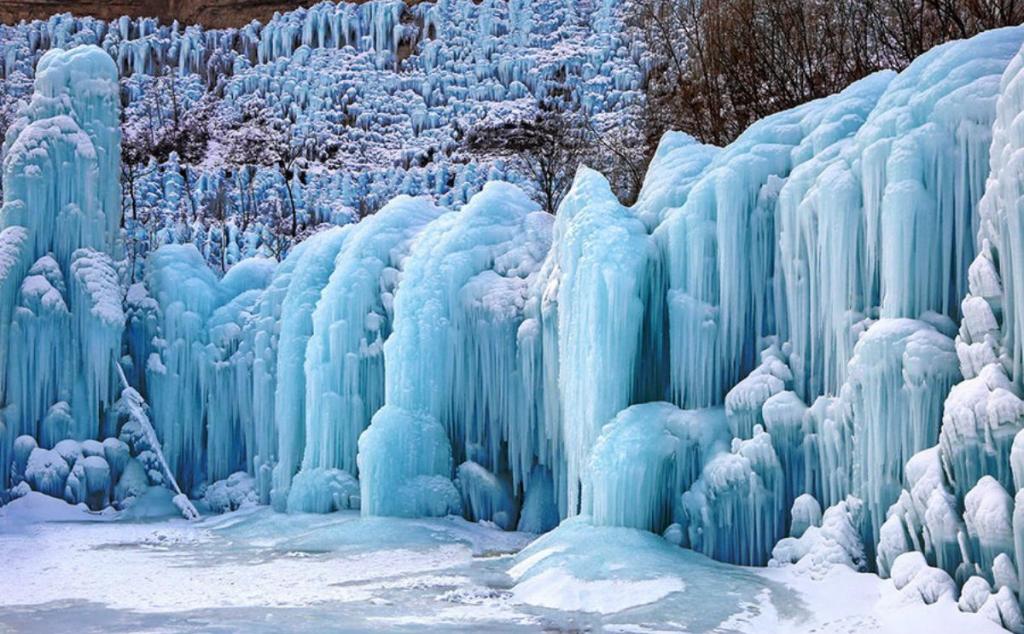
[[548, 147], [719, 65]]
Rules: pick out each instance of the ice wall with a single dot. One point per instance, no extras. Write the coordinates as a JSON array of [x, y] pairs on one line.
[[62, 318], [717, 249], [833, 244]]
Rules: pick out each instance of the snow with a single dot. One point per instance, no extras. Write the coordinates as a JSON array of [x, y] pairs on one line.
[[557, 589], [254, 567]]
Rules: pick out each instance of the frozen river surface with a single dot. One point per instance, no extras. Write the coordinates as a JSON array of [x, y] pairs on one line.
[[254, 570]]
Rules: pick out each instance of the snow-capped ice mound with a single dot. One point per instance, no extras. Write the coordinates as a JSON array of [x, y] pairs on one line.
[[46, 472], [579, 566], [806, 512], [917, 581], [634, 460], [735, 511], [323, 490], [835, 542], [645, 458]]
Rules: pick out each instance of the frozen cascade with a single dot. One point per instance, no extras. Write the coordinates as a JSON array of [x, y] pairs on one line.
[[802, 287], [39, 327], [463, 290], [255, 363], [895, 207], [899, 375], [308, 279], [718, 248], [226, 409], [602, 254], [180, 368], [186, 293], [62, 315], [344, 359]]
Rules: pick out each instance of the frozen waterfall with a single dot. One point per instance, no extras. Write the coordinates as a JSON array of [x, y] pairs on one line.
[[802, 345]]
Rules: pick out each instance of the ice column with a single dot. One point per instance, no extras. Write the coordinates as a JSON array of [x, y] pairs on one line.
[[344, 359], [308, 279], [451, 385], [61, 321]]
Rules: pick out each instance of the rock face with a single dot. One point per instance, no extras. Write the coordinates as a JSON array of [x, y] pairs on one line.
[[209, 13]]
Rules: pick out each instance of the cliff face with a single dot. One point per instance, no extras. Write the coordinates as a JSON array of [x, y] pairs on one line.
[[209, 13]]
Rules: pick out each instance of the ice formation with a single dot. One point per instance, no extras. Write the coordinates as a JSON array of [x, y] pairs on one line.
[[344, 362], [822, 315], [452, 389], [62, 316], [382, 94]]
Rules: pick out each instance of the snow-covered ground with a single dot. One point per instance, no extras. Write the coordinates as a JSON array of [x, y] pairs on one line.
[[256, 570]]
